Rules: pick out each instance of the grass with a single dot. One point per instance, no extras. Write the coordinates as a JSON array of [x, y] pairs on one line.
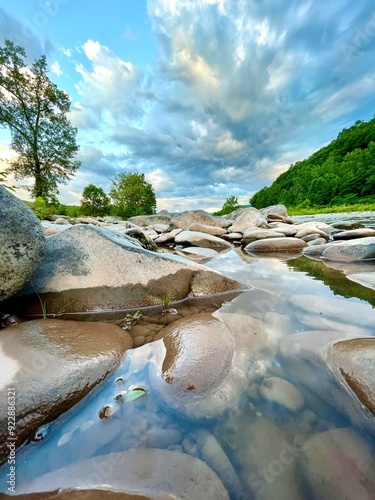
[[358, 207]]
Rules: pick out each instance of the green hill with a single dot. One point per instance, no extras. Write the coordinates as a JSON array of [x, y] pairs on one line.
[[342, 173]]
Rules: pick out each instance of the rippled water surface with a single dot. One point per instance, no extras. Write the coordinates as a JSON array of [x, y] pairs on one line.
[[277, 440]]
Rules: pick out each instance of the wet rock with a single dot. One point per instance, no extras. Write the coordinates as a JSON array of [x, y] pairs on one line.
[[151, 472], [271, 459], [52, 364], [352, 250], [167, 237], [185, 219], [355, 362], [250, 217], [354, 233], [194, 238], [339, 465], [22, 244], [213, 230], [282, 392], [255, 234], [147, 220], [276, 245], [90, 269]]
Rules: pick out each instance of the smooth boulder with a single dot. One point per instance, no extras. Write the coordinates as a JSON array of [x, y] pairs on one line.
[[198, 239], [52, 364], [87, 268], [351, 250], [276, 245], [22, 244], [249, 217], [185, 219]]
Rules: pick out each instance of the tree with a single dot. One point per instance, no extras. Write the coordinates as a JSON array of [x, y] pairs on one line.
[[94, 201], [229, 206], [132, 195], [35, 111]]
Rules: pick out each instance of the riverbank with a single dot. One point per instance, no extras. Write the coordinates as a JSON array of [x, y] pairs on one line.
[[358, 207]]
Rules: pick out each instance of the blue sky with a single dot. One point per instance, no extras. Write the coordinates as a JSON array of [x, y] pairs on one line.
[[208, 98]]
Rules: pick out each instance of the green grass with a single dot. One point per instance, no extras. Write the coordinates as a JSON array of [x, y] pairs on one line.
[[358, 207]]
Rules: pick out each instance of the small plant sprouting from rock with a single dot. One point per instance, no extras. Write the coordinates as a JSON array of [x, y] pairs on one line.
[[165, 306], [43, 305]]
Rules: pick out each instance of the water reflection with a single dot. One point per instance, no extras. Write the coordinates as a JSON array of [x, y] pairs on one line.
[[292, 428]]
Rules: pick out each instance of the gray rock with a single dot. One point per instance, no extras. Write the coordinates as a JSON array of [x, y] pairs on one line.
[[255, 234], [194, 238], [146, 220], [233, 236], [354, 233], [276, 245], [364, 279], [339, 465], [352, 250], [315, 249], [62, 222], [250, 217], [202, 228], [22, 244], [201, 251], [185, 219], [167, 237], [151, 472], [315, 242], [160, 228], [52, 364], [308, 231], [87, 268], [276, 213]]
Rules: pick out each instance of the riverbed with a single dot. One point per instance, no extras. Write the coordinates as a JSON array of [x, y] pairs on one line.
[[271, 442]]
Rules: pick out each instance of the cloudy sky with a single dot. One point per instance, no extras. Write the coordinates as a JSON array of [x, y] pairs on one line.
[[208, 98]]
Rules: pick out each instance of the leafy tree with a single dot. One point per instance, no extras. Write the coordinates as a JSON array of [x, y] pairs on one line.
[[132, 195], [229, 206], [35, 111], [94, 201]]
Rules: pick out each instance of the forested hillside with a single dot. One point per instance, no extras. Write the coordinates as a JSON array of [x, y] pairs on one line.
[[341, 173]]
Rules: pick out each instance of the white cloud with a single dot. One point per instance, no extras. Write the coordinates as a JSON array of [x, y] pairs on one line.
[[55, 68]]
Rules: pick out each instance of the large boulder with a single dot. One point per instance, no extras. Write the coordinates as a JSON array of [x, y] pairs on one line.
[[48, 366], [276, 245], [351, 250], [199, 239], [185, 219], [87, 268], [148, 220], [354, 360], [276, 213], [22, 244], [150, 472], [249, 217]]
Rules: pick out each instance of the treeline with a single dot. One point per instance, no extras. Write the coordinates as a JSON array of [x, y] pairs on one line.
[[130, 195], [342, 173]]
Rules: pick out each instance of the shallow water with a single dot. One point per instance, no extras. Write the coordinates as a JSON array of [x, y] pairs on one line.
[[256, 446]]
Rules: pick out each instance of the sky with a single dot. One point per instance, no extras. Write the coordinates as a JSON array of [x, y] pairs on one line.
[[207, 98]]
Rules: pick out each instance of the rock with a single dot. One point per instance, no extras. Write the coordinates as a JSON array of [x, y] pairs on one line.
[[194, 238], [213, 230], [147, 220], [62, 222], [282, 392], [276, 213], [167, 237], [347, 225], [348, 251], [151, 472], [354, 233], [339, 465], [52, 364], [268, 465], [81, 494], [250, 217], [50, 228], [206, 253], [276, 245], [314, 249], [85, 220], [354, 360], [308, 231], [22, 244], [286, 229], [314, 242], [160, 228], [255, 234], [113, 219], [233, 236], [144, 239], [164, 213], [185, 219], [87, 268]]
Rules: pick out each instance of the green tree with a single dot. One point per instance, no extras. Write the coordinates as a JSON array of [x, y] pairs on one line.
[[94, 201], [229, 206], [132, 195], [35, 110]]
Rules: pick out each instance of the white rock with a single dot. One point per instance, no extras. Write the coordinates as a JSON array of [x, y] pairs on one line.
[[282, 392]]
